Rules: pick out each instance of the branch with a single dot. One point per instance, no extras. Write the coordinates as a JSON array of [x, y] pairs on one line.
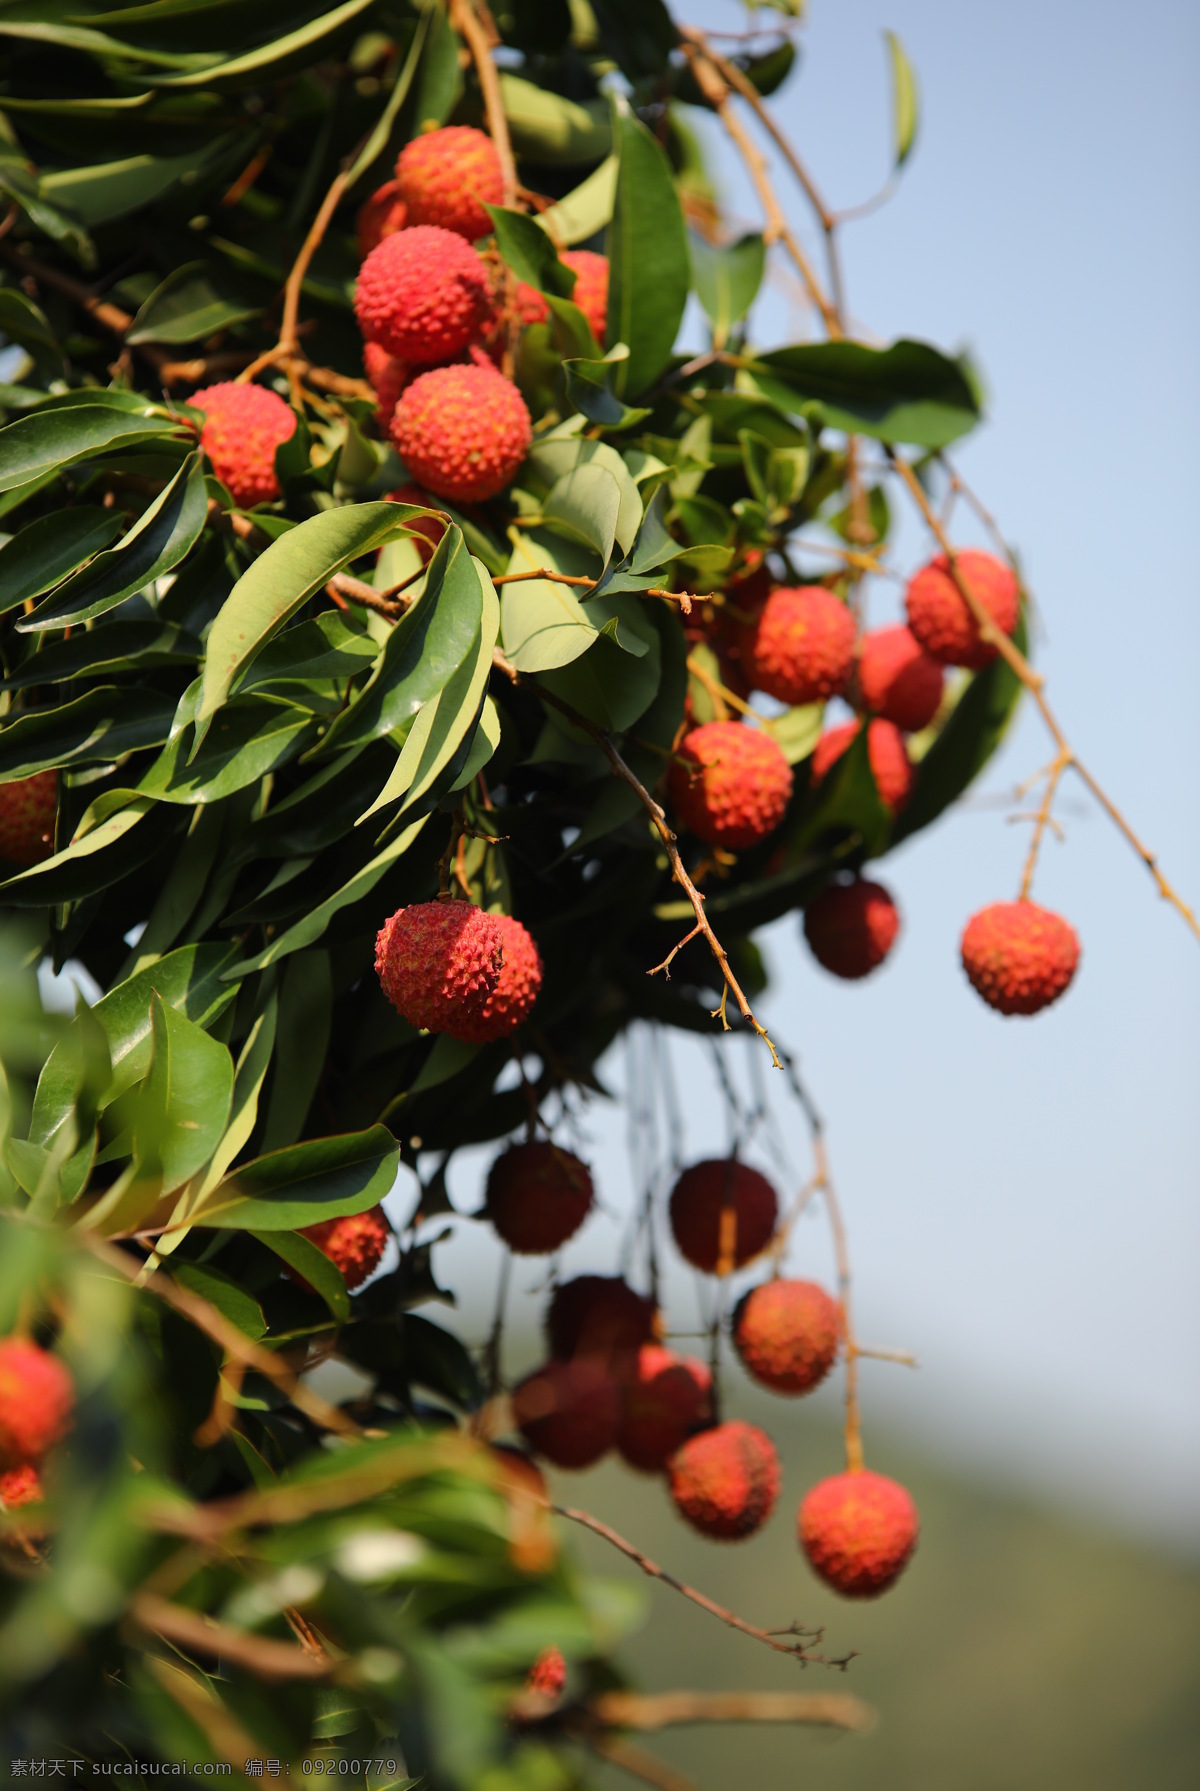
[[639, 1764], [467, 23], [263, 1656], [287, 349], [632, 1710]]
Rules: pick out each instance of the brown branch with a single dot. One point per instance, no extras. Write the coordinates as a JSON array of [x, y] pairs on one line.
[[287, 349], [353, 590], [263, 1656], [1041, 821], [639, 1764], [467, 23], [556, 578], [633, 1710]]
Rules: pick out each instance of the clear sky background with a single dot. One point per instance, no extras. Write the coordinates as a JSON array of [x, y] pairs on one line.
[[1021, 1195]]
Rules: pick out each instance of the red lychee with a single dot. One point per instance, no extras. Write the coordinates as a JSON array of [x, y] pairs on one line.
[[538, 1196], [569, 1411], [723, 1214], [438, 963], [355, 1243], [938, 614], [851, 927], [446, 177], [1018, 956], [730, 784], [801, 649], [20, 1486], [886, 755], [665, 1398], [725, 1481], [422, 294], [37, 1397], [787, 1334], [388, 378], [590, 293], [548, 1674], [858, 1530], [897, 679], [598, 1315], [381, 215], [243, 426], [28, 807], [511, 1001], [462, 431]]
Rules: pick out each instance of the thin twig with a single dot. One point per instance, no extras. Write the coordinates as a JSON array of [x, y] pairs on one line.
[[1041, 821], [663, 1710], [466, 22], [263, 1656], [287, 348], [639, 1764]]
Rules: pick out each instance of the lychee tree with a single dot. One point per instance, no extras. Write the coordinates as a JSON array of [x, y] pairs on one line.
[[414, 675]]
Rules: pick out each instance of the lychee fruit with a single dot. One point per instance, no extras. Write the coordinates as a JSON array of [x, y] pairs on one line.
[[355, 1243], [897, 679], [801, 649], [381, 215], [548, 1674], [511, 1001], [37, 1398], [598, 1315], [665, 1398], [858, 1530], [726, 1480], [438, 962], [787, 1334], [886, 755], [938, 614], [723, 1214], [462, 431], [590, 292], [1020, 957], [28, 807], [387, 377], [243, 426], [20, 1486], [422, 294], [569, 1411], [538, 1196], [426, 530], [730, 784], [851, 927], [446, 177]]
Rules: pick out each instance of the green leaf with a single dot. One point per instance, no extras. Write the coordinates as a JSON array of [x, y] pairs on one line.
[[183, 1105], [322, 1275], [547, 127], [51, 438], [905, 100], [99, 652], [649, 271], [305, 1018], [280, 580], [441, 83], [104, 724], [230, 1299], [529, 252], [45, 552], [590, 390], [726, 279], [607, 684], [100, 854], [326, 1178], [435, 1359], [584, 211], [909, 392], [186, 307], [587, 502], [797, 730], [380, 136], [295, 48], [102, 191], [244, 743], [24, 322]]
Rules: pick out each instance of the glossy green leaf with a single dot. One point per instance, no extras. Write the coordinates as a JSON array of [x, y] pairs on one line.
[[273, 58], [103, 724], [548, 127], [221, 1291], [183, 1105], [608, 683], [909, 392], [440, 87], [590, 389], [726, 279], [529, 252], [53, 438], [587, 503], [310, 1262], [24, 322], [905, 100], [186, 307], [102, 191], [325, 1178], [98, 856], [305, 1019], [649, 269], [45, 552], [245, 742], [585, 210], [100, 652]]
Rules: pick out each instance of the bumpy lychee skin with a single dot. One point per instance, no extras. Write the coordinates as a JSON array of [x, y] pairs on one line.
[[388, 376], [1019, 957], [725, 1481], [730, 784], [723, 1214], [568, 1412], [886, 754], [938, 614], [355, 1244], [20, 1486], [851, 928], [898, 680], [548, 1674], [538, 1196], [462, 431], [28, 806], [598, 1315], [438, 962], [858, 1530], [422, 294], [801, 650], [511, 1002], [381, 215], [37, 1398], [787, 1334], [665, 1398], [446, 177], [590, 292], [243, 426]]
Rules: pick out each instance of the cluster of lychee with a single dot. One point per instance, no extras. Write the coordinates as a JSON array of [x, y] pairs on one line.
[[37, 1402], [731, 784]]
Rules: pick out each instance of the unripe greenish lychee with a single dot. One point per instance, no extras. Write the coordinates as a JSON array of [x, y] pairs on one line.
[[28, 807], [723, 1214], [801, 648], [787, 1334], [568, 1412], [423, 295], [730, 784], [538, 1196], [858, 1530], [37, 1398], [886, 755], [665, 1398], [243, 426], [446, 177], [851, 927], [438, 962], [725, 1481], [938, 613], [355, 1243], [512, 1000], [462, 431], [897, 679], [598, 1315], [1019, 957]]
